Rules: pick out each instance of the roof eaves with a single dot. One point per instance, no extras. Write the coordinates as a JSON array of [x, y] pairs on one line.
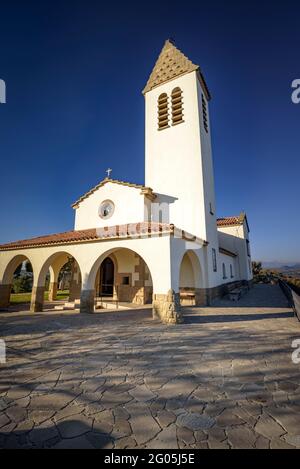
[[102, 183], [227, 252]]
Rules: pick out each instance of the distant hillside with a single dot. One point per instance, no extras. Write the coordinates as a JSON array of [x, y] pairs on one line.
[[281, 266], [291, 268]]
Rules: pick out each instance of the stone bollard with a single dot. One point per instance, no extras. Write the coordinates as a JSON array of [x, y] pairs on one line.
[[87, 301], [167, 308], [37, 299]]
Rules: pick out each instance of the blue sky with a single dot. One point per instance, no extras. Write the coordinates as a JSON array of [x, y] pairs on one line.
[[74, 73]]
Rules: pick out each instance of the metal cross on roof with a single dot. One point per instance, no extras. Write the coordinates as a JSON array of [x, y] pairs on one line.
[[108, 171]]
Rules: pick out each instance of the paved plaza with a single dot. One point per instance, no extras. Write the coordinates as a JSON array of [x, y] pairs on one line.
[[223, 379]]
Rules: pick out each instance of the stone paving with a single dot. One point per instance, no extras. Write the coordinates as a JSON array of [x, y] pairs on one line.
[[224, 379]]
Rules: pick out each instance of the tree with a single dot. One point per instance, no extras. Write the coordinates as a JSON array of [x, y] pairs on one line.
[[65, 275], [28, 267], [17, 272], [256, 267]]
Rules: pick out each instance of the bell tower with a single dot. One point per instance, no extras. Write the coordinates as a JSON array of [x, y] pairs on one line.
[[178, 143]]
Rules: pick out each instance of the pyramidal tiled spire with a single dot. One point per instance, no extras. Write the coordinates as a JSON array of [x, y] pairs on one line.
[[170, 64]]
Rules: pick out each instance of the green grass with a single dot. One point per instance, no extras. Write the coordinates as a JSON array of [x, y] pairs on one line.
[[62, 295], [20, 298]]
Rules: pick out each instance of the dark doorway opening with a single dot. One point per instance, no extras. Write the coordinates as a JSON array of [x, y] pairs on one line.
[[107, 274]]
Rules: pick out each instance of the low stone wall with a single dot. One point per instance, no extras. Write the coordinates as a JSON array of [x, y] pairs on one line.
[[5, 291], [222, 290], [201, 296], [75, 291], [205, 296], [37, 299], [166, 308], [137, 295]]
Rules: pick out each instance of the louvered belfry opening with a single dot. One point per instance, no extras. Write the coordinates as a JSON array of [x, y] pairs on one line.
[[163, 111], [177, 109], [204, 111]]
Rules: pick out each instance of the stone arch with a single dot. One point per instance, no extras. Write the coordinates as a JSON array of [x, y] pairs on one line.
[[7, 279], [91, 277], [53, 263], [193, 264], [11, 267], [135, 291]]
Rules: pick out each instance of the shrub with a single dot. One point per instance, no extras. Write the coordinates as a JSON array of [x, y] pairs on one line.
[[22, 284]]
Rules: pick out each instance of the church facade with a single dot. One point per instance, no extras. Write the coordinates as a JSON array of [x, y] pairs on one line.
[[160, 242]]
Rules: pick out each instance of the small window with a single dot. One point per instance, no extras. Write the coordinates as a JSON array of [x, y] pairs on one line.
[[106, 209], [224, 271], [231, 271], [214, 259], [248, 247], [163, 112], [204, 114], [177, 109], [125, 280]]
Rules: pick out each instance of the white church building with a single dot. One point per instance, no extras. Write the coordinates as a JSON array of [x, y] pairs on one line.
[[158, 243]]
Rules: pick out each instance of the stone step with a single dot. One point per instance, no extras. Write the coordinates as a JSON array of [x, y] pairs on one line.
[[71, 304], [67, 306], [109, 305], [61, 308]]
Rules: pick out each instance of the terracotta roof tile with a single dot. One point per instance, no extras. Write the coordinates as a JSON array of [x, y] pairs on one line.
[[171, 64], [231, 221], [94, 234]]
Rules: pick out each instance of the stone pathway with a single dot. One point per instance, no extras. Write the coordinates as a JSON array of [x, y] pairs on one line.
[[224, 379]]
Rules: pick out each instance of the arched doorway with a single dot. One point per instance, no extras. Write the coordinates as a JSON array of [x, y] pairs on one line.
[[107, 277], [120, 277]]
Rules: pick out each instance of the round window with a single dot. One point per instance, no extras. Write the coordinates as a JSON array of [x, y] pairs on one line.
[[107, 209]]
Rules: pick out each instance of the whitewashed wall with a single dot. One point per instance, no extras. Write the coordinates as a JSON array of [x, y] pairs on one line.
[[177, 167], [129, 207], [234, 238]]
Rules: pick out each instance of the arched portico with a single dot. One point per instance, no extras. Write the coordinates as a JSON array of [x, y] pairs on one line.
[[155, 250]]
